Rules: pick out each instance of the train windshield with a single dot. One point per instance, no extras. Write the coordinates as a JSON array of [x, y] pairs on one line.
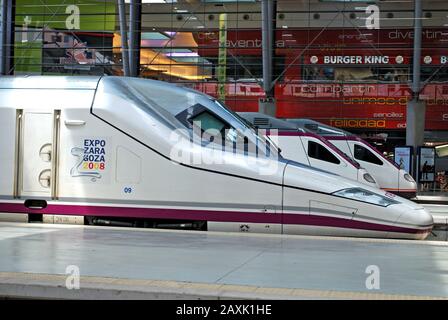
[[182, 108]]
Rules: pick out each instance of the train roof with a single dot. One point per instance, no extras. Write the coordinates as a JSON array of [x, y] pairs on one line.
[[264, 121], [319, 128], [49, 82]]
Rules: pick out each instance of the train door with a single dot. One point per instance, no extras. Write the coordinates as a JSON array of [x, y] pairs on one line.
[[37, 157], [7, 147]]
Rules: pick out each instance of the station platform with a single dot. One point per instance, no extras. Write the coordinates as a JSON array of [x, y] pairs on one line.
[[439, 212], [432, 198], [127, 263]]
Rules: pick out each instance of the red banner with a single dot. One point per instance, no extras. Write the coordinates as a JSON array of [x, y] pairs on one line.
[[369, 106], [390, 42]]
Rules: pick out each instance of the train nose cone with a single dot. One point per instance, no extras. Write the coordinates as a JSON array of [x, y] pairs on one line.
[[419, 222]]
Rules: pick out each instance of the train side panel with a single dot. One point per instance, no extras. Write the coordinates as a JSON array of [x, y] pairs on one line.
[[292, 148], [103, 165]]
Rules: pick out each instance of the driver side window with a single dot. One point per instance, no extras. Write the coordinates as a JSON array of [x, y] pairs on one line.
[[366, 155], [213, 128], [317, 151]]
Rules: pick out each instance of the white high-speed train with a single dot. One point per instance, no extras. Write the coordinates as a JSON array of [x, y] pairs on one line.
[[116, 147], [388, 174], [308, 148]]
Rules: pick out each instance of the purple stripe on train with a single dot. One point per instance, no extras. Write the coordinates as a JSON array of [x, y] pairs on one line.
[[207, 215]]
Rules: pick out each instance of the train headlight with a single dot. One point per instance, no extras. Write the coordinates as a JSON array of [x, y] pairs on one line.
[[408, 177], [369, 178], [365, 196]]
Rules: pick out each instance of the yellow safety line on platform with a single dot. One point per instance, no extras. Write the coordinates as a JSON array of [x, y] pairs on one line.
[[210, 290]]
